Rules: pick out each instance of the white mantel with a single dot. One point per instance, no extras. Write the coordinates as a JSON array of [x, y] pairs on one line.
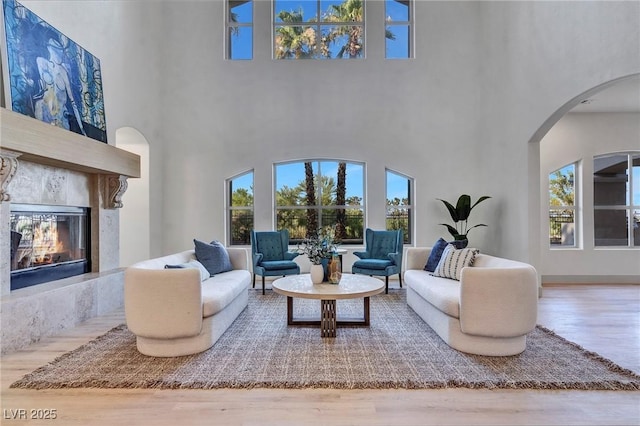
[[44, 164]]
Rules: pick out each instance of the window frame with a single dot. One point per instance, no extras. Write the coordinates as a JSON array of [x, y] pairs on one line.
[[411, 28], [408, 237], [229, 26], [575, 208], [318, 25], [319, 207], [230, 209], [629, 207]]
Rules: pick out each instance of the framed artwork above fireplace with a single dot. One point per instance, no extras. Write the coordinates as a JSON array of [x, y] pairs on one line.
[[46, 75]]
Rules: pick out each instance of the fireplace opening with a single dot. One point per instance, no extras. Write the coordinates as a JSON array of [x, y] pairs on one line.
[[48, 243]]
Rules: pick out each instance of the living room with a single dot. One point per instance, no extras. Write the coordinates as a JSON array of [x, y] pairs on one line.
[[479, 107]]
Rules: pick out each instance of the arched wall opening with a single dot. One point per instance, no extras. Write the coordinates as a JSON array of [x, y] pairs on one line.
[[135, 213], [577, 137]]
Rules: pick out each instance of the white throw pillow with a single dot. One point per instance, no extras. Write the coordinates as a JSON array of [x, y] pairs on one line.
[[453, 260]]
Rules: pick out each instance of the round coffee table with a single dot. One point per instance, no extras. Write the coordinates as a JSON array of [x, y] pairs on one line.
[[350, 287]]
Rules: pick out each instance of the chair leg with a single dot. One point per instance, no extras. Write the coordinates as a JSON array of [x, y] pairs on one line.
[[254, 281], [400, 278], [386, 284], [263, 284]]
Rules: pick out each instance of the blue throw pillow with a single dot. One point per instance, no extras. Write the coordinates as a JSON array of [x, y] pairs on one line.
[[436, 254], [194, 264], [213, 256]]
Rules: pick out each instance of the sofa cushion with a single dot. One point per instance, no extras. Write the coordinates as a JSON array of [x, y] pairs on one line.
[[277, 265], [442, 293], [453, 260], [194, 264], [213, 256], [372, 264], [220, 290]]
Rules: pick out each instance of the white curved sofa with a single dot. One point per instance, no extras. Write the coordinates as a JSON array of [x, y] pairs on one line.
[[173, 313], [488, 312]]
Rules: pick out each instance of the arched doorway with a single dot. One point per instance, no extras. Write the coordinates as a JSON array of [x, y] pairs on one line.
[[135, 213], [576, 133]]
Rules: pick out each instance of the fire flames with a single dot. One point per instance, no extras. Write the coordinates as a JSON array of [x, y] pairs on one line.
[[45, 243]]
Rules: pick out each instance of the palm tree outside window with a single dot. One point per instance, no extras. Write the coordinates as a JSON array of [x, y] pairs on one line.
[[315, 194], [318, 29]]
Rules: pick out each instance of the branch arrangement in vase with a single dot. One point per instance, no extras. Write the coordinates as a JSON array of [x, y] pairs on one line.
[[319, 247]]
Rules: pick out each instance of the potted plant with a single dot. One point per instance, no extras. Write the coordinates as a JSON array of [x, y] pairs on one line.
[[460, 216], [318, 249]]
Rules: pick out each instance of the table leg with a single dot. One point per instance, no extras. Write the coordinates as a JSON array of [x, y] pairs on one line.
[[366, 311], [329, 321], [290, 310], [328, 318]]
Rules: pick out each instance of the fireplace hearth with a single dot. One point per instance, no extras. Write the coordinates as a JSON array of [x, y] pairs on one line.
[[48, 243]]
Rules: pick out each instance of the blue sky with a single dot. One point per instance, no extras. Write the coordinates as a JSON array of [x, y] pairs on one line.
[[291, 174], [636, 185]]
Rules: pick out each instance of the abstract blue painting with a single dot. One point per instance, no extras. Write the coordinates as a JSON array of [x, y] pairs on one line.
[[48, 76]]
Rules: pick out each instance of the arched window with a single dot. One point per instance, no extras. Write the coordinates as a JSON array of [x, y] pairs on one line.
[[616, 200], [315, 194], [240, 208], [562, 207]]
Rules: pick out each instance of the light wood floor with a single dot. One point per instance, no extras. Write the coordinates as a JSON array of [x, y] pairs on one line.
[[604, 319]]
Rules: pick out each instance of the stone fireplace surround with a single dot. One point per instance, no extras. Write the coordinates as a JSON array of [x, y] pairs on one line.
[[43, 164]]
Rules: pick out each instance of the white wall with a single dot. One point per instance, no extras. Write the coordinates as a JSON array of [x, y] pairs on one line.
[[127, 38], [457, 118], [415, 116], [135, 213], [580, 137]]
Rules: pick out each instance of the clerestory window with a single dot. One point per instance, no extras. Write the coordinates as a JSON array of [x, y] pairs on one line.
[[616, 200], [314, 194], [398, 29], [239, 28], [318, 29]]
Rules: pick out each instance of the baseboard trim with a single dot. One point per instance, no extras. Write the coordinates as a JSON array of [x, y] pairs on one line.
[[548, 280]]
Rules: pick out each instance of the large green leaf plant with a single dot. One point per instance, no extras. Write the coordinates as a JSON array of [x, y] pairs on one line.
[[460, 216]]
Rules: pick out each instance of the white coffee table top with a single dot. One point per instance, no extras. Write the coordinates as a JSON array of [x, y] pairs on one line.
[[350, 287]]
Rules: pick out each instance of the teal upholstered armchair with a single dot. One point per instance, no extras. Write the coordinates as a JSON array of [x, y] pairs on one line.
[[383, 255], [271, 255]]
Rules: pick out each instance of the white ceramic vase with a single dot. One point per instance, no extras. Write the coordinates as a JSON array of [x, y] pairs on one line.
[[317, 273]]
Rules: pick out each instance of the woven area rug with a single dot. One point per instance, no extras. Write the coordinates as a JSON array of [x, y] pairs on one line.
[[398, 350]]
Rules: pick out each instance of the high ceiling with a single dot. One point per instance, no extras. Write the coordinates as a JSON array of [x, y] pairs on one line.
[[621, 97]]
